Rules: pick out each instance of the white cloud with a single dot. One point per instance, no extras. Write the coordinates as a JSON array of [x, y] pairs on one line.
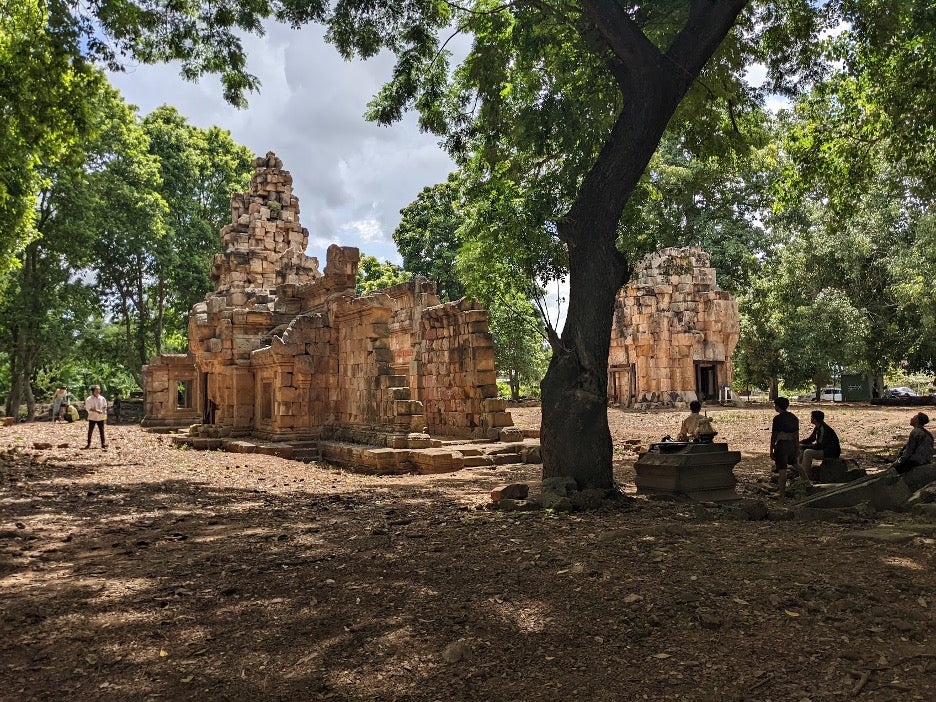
[[367, 229], [352, 177]]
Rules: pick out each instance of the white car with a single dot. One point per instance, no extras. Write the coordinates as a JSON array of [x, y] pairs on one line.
[[830, 395]]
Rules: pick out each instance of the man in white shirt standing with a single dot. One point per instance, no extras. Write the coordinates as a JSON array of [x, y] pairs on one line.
[[96, 405]]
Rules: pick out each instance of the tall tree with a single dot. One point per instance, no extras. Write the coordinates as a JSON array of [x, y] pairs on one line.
[[571, 98], [428, 236], [44, 302], [45, 84], [374, 275], [126, 208], [199, 171]]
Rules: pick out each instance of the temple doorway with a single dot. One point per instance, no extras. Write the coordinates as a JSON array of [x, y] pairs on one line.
[[706, 381]]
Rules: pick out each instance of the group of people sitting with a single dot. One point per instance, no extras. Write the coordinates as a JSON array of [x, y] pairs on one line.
[[786, 448], [63, 409], [788, 451]]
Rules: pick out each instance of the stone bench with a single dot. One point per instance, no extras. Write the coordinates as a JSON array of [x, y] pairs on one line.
[[837, 470]]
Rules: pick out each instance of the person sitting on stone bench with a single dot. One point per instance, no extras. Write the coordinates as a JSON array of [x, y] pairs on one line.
[[695, 427], [823, 443], [690, 424], [918, 451]]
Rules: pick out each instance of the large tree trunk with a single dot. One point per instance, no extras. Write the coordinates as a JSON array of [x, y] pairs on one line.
[[575, 438], [30, 401]]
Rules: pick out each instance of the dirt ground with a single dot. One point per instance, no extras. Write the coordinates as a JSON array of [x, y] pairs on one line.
[[147, 572]]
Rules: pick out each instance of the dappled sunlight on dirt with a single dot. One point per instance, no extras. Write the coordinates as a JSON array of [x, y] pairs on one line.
[[147, 572]]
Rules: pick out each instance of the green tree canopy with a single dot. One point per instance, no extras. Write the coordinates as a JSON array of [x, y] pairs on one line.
[[556, 110], [45, 87], [199, 171], [428, 236]]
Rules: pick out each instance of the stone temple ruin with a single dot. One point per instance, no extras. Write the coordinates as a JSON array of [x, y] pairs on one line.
[[673, 335], [283, 353]]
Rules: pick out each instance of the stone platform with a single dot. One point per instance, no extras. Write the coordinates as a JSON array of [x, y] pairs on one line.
[[698, 471], [428, 457]]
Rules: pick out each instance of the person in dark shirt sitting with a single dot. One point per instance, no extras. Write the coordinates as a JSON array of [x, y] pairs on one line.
[[918, 450], [784, 442], [821, 444]]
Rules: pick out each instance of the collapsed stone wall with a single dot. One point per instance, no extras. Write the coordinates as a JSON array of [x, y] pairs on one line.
[[281, 351], [669, 320]]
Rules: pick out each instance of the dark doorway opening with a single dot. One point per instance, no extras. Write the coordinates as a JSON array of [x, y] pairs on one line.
[[706, 382]]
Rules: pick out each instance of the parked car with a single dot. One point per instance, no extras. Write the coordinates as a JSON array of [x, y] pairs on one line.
[[805, 398], [830, 395], [900, 392]]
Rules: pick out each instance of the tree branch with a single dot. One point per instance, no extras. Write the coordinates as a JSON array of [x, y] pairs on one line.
[[707, 26]]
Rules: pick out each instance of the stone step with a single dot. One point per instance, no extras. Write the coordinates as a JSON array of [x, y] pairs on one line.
[[477, 460], [503, 459]]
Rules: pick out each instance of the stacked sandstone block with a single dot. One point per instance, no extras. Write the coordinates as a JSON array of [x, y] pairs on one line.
[[371, 394], [457, 381], [671, 315], [264, 246], [161, 387], [283, 351]]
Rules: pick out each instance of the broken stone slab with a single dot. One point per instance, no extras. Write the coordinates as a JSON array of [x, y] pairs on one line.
[[477, 461], [920, 477], [511, 491], [531, 453], [838, 470], [508, 505], [884, 491], [240, 446], [505, 459]]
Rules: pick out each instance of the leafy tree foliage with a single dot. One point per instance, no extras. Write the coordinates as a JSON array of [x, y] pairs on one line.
[[199, 171], [428, 236], [44, 84], [555, 113], [374, 275]]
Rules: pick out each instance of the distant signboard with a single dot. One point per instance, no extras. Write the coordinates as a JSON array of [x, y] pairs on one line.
[[855, 388]]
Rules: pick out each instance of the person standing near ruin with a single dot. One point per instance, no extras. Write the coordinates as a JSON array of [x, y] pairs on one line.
[[96, 405], [823, 443], [58, 399], [918, 451], [784, 442]]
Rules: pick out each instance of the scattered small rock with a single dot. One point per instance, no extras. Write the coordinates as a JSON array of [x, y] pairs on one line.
[[457, 651], [511, 491]]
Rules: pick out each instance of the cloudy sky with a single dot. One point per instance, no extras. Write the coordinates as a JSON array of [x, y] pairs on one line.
[[351, 176]]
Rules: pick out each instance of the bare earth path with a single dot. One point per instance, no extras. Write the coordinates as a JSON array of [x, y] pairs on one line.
[[146, 572]]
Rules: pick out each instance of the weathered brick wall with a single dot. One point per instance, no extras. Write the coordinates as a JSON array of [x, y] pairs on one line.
[[264, 245], [161, 391], [458, 383], [370, 394]]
